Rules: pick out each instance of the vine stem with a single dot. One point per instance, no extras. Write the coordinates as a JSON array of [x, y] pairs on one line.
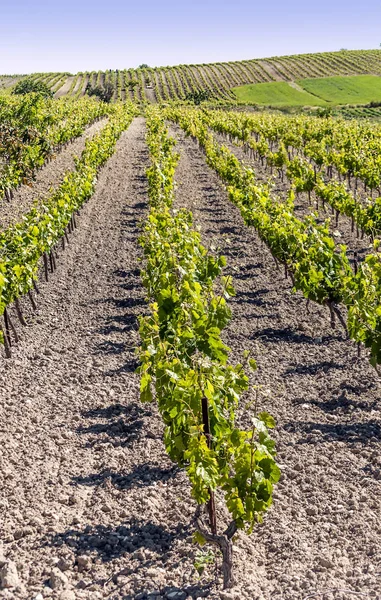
[[224, 543], [337, 311]]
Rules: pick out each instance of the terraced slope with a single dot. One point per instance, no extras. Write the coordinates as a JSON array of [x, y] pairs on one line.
[[165, 83]]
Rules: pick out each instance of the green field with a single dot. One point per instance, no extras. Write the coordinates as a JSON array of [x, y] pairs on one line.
[[359, 89], [277, 93]]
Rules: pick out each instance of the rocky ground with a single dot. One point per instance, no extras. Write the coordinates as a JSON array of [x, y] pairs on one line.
[[90, 505]]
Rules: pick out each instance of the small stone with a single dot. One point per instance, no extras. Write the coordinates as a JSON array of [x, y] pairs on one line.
[[84, 563], [18, 534], [67, 595], [64, 564], [106, 508], [311, 511], [325, 562], [227, 596], [57, 579], [9, 577], [82, 584]]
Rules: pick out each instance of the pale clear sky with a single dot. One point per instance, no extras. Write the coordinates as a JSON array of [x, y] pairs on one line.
[[85, 35]]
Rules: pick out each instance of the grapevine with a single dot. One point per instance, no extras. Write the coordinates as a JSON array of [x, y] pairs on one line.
[[184, 363]]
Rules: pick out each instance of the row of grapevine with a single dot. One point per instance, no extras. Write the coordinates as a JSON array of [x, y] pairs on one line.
[[351, 151], [184, 360], [23, 245], [317, 269], [32, 129]]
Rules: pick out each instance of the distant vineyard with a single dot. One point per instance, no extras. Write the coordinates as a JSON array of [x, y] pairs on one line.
[[165, 83]]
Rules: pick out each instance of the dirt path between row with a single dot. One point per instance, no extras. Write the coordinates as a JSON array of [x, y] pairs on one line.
[[47, 178], [323, 532], [150, 95], [78, 85], [271, 70], [65, 87]]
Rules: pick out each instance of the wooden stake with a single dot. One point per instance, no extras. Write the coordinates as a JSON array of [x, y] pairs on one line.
[[211, 503], [7, 348], [51, 261], [11, 325], [19, 312], [34, 305], [46, 266], [53, 255], [7, 331]]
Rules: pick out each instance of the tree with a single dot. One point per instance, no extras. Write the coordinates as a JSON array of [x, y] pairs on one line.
[[29, 85]]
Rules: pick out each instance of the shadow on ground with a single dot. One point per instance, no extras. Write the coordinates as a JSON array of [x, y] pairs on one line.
[[111, 542], [121, 426], [335, 432], [142, 476]]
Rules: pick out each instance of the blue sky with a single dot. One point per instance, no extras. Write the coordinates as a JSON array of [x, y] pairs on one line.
[[79, 35]]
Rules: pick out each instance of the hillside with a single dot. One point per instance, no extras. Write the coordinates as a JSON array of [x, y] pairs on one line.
[[165, 83]]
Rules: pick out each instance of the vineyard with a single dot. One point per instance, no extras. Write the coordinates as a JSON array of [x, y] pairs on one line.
[[190, 340], [161, 84]]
